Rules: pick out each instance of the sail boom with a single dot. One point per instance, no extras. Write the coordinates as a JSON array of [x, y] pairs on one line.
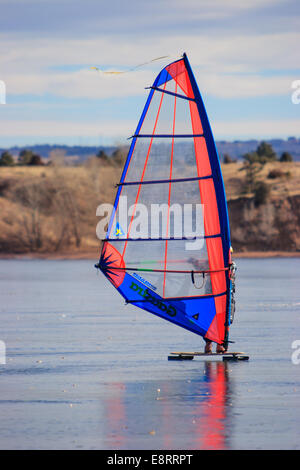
[[178, 271]]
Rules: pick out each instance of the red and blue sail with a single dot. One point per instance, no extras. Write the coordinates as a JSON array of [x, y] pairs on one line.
[[173, 160]]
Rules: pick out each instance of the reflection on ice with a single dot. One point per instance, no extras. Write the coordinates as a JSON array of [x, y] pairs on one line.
[[135, 411]]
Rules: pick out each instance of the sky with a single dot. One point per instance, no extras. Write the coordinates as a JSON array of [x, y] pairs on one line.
[[245, 56]]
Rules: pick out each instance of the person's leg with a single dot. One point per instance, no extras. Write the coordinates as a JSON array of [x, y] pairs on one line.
[[220, 349], [208, 346]]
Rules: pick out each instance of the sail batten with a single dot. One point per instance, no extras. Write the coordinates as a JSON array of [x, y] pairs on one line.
[[172, 167], [177, 180], [161, 136], [173, 94]]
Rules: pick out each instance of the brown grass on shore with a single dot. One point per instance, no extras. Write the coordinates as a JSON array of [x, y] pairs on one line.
[[288, 184], [51, 210]]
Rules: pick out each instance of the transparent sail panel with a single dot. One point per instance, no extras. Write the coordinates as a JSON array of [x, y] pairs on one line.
[[168, 86], [158, 164], [184, 161], [158, 119], [144, 258], [183, 124], [168, 114], [152, 158], [180, 285]]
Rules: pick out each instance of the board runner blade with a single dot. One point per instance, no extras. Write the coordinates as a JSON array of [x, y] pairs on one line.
[[183, 355], [197, 353], [180, 357]]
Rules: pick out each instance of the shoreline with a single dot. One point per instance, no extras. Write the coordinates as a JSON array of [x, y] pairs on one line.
[[94, 255]]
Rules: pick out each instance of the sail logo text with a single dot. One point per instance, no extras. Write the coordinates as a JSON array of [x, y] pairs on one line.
[[168, 309], [143, 281]]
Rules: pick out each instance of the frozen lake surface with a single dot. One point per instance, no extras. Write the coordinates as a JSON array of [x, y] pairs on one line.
[[84, 371]]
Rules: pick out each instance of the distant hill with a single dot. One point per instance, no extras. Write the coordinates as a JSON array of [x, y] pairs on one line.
[[238, 148], [76, 153], [235, 149]]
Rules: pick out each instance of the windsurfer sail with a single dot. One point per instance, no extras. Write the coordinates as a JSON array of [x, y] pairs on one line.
[[173, 160]]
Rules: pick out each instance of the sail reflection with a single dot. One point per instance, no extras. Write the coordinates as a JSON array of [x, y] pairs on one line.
[[216, 407], [115, 421], [193, 413]]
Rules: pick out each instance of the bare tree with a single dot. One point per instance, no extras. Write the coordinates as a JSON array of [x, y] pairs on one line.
[[33, 200], [67, 209]]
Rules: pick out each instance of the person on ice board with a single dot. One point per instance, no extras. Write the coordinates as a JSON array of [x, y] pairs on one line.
[[208, 349], [155, 173]]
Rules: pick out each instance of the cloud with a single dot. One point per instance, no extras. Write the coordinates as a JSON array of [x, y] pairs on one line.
[[256, 128], [80, 84], [245, 86], [236, 49], [75, 17], [88, 84], [228, 67], [57, 128], [245, 52]]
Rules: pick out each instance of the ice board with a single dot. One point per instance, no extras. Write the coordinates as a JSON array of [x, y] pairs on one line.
[[183, 355]]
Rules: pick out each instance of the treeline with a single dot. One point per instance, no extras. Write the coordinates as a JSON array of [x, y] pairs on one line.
[[263, 154], [253, 163], [26, 157], [117, 158]]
